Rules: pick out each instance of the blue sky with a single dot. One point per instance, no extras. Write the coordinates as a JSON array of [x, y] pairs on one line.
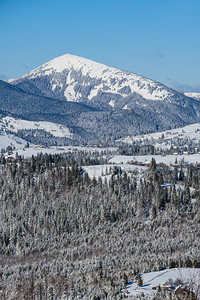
[[159, 39]]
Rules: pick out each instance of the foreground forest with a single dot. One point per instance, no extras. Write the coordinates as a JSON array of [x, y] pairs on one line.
[[64, 235]]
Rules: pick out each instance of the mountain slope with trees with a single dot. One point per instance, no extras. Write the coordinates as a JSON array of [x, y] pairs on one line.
[[66, 235]]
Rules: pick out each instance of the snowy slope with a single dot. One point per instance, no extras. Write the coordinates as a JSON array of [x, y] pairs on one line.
[[11, 140], [165, 139], [146, 159], [154, 279], [14, 125], [193, 95], [66, 71]]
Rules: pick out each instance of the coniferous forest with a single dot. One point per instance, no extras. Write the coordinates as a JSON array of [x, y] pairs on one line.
[[64, 235], [100, 150]]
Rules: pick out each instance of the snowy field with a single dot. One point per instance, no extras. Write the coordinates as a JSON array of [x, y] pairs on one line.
[[146, 159], [14, 125], [35, 150], [104, 170], [28, 152], [154, 279]]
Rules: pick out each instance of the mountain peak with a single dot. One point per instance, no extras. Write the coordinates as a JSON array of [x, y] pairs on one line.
[[67, 61], [77, 63], [81, 79]]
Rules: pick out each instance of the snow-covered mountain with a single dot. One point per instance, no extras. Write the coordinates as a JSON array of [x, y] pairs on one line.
[[82, 80], [96, 101]]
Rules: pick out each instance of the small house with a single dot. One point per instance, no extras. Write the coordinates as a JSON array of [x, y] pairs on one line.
[[181, 292]]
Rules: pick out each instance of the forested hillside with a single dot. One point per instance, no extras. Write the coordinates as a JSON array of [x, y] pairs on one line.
[[66, 236]]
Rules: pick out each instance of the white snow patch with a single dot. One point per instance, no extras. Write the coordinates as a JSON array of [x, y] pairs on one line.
[[126, 107], [69, 93], [95, 91], [112, 103], [54, 86]]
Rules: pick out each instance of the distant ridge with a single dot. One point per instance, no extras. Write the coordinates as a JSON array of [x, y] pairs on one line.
[[193, 95]]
